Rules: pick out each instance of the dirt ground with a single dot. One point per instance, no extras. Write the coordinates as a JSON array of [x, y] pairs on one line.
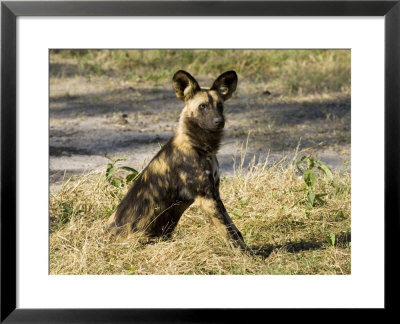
[[91, 118]]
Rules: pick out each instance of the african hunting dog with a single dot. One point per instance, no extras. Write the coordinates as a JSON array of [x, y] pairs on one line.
[[185, 170]]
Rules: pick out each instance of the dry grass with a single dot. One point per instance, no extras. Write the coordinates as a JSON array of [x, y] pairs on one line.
[[289, 239]]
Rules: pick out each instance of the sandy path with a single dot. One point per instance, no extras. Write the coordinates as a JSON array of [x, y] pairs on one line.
[[103, 116]]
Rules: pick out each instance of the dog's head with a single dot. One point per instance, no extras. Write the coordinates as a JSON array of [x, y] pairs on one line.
[[205, 107]]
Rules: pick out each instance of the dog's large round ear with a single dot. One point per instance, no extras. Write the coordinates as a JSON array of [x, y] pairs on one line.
[[226, 84], [185, 85]]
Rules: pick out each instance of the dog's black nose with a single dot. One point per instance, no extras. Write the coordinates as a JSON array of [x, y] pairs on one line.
[[219, 122]]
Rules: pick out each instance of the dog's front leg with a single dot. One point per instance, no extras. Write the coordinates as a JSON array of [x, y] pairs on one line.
[[215, 209]]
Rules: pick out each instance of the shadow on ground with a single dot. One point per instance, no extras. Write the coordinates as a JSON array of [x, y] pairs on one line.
[[279, 126], [342, 241], [158, 100]]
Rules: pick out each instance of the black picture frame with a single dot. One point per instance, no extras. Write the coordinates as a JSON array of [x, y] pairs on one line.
[[11, 10]]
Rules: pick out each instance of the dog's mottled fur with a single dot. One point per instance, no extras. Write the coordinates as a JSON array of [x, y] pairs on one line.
[[185, 170]]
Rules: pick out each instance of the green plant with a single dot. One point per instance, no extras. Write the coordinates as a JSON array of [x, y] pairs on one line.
[[237, 213], [116, 179], [307, 166], [67, 210], [331, 239]]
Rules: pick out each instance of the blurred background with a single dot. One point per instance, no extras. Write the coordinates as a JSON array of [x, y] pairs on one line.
[[120, 103]]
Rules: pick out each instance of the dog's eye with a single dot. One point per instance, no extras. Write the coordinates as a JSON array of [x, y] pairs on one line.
[[202, 106], [219, 106]]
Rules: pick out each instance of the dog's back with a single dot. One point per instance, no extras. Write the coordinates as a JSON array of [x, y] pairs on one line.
[[156, 200]]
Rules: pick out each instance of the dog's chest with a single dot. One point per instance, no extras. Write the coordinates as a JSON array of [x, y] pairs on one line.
[[214, 167]]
